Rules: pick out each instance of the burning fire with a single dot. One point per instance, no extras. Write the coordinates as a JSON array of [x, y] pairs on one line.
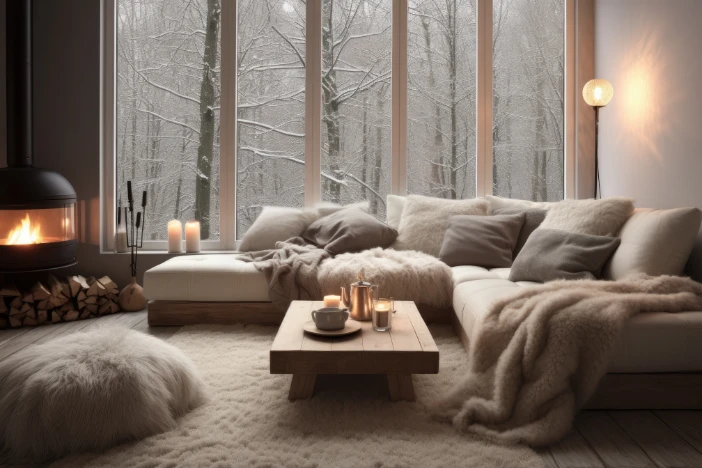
[[25, 233]]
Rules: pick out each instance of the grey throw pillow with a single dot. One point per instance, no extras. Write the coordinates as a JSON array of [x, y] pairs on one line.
[[551, 254], [349, 230], [486, 241], [532, 219]]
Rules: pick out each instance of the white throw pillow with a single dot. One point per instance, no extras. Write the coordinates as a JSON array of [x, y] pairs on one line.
[[655, 242], [425, 220], [595, 217], [499, 203], [396, 205], [326, 208], [274, 224]]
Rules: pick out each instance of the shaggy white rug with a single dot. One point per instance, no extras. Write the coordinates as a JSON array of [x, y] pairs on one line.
[[249, 422]]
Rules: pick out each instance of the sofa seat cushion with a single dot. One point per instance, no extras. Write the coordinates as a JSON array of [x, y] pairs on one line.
[[464, 273], [650, 342], [208, 278]]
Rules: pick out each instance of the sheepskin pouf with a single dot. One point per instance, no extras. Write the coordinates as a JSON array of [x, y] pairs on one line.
[[91, 390]]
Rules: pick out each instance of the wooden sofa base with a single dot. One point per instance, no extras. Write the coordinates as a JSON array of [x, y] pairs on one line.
[[679, 390], [173, 313]]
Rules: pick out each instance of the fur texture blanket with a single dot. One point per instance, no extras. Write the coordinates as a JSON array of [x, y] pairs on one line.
[[539, 355], [296, 270]]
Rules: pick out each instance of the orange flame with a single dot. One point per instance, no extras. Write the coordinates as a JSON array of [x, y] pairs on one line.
[[25, 233]]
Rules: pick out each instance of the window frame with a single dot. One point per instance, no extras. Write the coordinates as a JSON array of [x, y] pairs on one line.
[[313, 97]]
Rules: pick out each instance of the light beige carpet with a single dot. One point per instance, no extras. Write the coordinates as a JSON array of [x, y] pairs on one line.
[[350, 422]]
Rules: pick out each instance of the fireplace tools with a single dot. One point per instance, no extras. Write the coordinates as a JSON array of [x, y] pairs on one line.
[[132, 298]]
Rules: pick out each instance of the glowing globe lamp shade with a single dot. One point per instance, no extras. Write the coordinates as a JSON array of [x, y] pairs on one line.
[[598, 92]]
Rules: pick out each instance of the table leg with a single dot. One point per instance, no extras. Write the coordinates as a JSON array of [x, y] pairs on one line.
[[401, 388], [302, 386]]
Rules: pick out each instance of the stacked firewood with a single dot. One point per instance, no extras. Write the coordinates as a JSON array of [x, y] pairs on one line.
[[56, 300]]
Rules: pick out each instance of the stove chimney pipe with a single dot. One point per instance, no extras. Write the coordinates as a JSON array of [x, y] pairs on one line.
[[20, 122]]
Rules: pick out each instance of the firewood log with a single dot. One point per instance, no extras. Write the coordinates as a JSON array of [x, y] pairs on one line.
[[70, 316], [54, 285], [15, 322], [91, 300], [14, 311], [31, 313], [93, 308], [44, 305], [56, 316], [42, 316], [68, 306], [108, 284], [3, 306], [10, 290], [77, 283], [40, 292], [58, 301], [4, 323], [25, 307], [108, 307], [95, 287], [28, 298], [29, 322], [16, 303], [85, 314]]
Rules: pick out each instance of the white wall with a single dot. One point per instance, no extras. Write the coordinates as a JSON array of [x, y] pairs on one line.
[[651, 132]]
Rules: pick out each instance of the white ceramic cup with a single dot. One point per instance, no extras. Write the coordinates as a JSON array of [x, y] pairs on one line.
[[330, 318]]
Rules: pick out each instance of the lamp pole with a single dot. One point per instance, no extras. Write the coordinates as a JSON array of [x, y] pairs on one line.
[[597, 159]]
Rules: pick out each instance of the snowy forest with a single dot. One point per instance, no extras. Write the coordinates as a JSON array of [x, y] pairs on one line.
[[168, 103]]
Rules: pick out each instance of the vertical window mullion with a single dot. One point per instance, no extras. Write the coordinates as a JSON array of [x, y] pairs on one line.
[[399, 97], [228, 119], [313, 102], [484, 99], [570, 111]]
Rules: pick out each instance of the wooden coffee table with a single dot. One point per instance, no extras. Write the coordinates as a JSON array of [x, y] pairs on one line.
[[408, 348]]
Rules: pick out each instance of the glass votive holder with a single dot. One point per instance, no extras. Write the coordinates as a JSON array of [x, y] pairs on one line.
[[382, 314]]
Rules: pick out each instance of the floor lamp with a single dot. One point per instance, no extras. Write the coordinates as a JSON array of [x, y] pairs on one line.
[[597, 93]]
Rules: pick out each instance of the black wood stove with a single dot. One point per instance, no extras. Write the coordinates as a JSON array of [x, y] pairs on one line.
[[37, 207]]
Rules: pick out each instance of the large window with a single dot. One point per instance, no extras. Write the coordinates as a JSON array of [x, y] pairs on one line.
[[218, 108]]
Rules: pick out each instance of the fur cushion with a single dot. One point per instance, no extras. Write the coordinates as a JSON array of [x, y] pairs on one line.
[[396, 205], [404, 276], [425, 220], [89, 391], [595, 217]]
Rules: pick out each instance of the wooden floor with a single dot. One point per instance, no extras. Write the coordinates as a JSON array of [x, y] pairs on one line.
[[612, 439]]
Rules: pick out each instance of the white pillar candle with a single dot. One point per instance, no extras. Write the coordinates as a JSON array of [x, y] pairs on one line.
[[175, 236], [192, 236], [121, 240], [332, 301]]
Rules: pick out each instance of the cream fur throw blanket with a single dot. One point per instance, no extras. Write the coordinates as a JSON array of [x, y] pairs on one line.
[[539, 355], [405, 275]]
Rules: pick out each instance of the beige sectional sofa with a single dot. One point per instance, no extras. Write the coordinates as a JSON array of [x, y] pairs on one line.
[[658, 362]]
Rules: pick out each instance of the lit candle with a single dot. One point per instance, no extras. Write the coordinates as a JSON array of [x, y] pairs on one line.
[[192, 236], [382, 318], [175, 236], [332, 301]]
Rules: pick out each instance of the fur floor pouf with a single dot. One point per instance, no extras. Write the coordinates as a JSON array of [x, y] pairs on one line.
[[89, 391]]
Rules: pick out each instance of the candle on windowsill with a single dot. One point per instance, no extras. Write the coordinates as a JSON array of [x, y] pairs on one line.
[[332, 301], [192, 236], [121, 240], [175, 236]]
